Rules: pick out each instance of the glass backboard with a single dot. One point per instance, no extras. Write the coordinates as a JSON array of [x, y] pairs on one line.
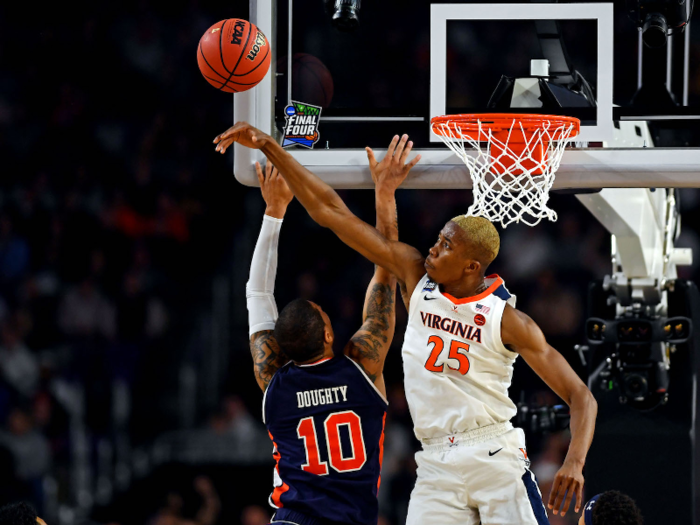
[[411, 60]]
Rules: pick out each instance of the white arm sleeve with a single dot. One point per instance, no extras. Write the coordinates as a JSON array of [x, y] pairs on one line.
[[259, 290]]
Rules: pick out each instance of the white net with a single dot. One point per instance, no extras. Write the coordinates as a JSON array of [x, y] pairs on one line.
[[512, 167]]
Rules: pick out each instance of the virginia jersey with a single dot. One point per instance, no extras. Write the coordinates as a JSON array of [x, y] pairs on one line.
[[457, 371], [326, 422]]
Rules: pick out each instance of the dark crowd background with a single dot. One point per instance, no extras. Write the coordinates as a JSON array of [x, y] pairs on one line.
[[126, 387]]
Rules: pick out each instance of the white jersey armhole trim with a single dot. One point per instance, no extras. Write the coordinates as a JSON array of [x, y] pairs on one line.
[[267, 390], [368, 380], [512, 299]]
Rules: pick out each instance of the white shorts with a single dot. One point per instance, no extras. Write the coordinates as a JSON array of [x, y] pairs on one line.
[[463, 480]]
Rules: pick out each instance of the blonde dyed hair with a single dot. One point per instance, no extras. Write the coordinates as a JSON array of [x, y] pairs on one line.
[[483, 236]]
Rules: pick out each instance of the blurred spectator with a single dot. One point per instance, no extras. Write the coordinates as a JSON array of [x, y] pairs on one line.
[[30, 450], [10, 486], [18, 365], [254, 515], [555, 307], [246, 430], [14, 253], [172, 513], [85, 313]]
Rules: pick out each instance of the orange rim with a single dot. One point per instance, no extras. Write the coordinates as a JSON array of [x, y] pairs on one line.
[[502, 122]]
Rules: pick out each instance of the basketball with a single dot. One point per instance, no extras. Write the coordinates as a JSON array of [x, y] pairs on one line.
[[233, 55], [311, 80]]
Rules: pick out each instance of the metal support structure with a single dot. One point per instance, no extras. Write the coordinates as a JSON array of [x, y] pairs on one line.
[[644, 225]]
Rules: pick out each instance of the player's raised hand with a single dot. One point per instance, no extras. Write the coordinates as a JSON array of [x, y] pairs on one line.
[[567, 483], [244, 134], [393, 168], [275, 191]]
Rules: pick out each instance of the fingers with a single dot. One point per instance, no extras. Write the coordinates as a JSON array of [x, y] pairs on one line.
[[406, 151], [562, 491], [400, 147], [413, 162], [236, 128], [259, 173], [553, 493], [370, 157], [224, 144], [268, 169], [392, 146], [579, 496], [569, 494]]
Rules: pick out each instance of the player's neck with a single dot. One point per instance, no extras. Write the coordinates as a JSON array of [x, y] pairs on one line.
[[327, 354], [467, 287]]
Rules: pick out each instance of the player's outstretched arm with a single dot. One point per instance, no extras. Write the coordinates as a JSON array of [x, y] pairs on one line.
[[262, 309], [370, 345], [328, 209], [522, 334]]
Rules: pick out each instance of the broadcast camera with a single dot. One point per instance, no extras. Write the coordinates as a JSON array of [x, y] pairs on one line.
[[542, 419], [657, 19], [640, 360], [345, 14]]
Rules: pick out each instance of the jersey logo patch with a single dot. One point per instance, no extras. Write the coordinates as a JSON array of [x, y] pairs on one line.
[[483, 309], [428, 298], [479, 320], [429, 286]]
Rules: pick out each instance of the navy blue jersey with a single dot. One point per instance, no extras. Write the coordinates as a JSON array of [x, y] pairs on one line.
[[326, 422]]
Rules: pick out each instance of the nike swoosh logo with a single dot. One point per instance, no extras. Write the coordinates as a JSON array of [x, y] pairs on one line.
[[494, 453], [426, 298]]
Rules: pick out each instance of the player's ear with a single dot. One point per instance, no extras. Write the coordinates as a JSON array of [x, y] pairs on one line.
[[472, 266], [327, 336]]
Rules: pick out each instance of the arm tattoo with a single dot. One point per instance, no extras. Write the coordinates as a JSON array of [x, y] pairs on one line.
[[267, 357], [372, 341]]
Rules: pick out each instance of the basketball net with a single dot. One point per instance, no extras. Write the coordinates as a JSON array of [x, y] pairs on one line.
[[511, 159]]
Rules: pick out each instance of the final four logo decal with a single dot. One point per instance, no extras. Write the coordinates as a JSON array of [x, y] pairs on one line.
[[301, 126]]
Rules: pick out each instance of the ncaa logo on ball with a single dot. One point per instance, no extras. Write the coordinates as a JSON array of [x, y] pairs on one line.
[[301, 125], [479, 320]]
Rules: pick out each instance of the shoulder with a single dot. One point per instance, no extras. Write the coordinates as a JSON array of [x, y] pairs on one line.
[[518, 328], [364, 378]]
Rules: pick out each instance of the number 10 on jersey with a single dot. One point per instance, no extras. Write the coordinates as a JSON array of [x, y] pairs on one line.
[[340, 460], [454, 353]]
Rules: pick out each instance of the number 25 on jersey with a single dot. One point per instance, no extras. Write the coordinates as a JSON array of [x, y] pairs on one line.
[[454, 353], [341, 460]]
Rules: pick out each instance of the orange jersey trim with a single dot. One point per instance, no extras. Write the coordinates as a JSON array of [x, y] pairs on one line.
[[322, 360], [498, 282], [381, 452], [277, 493]]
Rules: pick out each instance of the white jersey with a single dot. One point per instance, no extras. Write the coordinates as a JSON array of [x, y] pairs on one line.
[[456, 370]]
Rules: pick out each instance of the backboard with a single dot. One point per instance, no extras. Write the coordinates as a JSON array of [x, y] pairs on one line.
[[411, 60]]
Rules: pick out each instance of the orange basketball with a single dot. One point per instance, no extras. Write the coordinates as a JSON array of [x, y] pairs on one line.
[[233, 55], [312, 137]]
